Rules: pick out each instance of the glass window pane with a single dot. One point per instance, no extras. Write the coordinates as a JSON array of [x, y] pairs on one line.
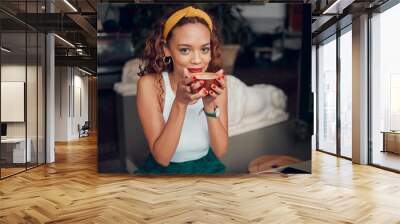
[[327, 97], [385, 114], [314, 90], [346, 94], [14, 151], [22, 63], [41, 98], [31, 97]]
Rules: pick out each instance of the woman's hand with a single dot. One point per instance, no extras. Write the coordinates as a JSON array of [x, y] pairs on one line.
[[216, 90], [188, 90]]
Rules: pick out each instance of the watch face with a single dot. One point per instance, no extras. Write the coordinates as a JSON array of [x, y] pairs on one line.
[[217, 112]]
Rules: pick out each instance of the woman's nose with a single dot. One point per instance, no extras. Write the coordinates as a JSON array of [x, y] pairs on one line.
[[196, 59]]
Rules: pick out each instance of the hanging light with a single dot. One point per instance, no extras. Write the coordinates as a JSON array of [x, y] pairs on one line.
[[84, 71], [70, 5], [64, 40], [5, 50]]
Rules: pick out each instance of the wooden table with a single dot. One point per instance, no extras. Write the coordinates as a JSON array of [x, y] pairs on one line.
[[14, 150], [391, 141], [270, 163]]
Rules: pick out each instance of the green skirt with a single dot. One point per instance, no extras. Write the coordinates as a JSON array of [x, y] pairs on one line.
[[208, 164]]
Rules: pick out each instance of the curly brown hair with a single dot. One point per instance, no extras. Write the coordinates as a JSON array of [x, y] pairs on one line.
[[153, 53]]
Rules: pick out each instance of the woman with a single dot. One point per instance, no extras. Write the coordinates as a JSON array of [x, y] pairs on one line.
[[185, 124]]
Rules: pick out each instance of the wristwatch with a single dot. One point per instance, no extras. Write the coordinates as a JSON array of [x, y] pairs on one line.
[[213, 114]]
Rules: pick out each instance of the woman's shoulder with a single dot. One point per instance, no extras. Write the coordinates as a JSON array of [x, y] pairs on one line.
[[147, 80], [148, 89]]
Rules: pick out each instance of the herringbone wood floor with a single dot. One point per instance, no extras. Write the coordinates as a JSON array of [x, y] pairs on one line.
[[71, 191]]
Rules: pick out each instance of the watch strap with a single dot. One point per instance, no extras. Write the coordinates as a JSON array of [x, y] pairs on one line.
[[211, 114]]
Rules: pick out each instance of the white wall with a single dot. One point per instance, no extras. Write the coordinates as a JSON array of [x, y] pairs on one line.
[[70, 84], [12, 73], [33, 126], [61, 103], [80, 89], [13, 101]]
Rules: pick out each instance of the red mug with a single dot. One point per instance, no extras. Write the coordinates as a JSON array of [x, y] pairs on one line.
[[208, 78]]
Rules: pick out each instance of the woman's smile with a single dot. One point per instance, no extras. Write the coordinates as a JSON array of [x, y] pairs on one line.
[[195, 70]]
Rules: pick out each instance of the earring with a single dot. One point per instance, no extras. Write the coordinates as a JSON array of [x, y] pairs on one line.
[[167, 60]]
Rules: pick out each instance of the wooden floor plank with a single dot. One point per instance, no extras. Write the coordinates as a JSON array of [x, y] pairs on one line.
[[71, 191]]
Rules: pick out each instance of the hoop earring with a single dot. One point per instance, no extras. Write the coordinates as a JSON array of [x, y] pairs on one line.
[[167, 60]]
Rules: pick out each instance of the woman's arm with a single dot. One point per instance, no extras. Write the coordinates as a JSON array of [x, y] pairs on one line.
[[163, 137], [165, 145], [218, 127]]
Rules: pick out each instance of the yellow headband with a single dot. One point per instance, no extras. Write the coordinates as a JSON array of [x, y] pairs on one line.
[[186, 12]]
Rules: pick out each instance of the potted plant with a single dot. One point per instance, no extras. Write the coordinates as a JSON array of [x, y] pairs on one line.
[[234, 30]]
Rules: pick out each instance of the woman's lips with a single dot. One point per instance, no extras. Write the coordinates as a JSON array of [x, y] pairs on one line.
[[195, 70]]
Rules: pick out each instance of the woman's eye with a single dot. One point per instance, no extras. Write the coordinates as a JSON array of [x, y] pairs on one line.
[[184, 50], [206, 50]]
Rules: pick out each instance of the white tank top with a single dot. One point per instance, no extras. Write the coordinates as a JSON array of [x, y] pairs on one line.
[[194, 140]]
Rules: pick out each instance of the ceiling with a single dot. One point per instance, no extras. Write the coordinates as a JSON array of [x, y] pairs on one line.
[[76, 25]]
